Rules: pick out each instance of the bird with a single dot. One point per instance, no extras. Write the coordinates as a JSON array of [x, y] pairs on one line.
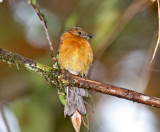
[[75, 56]]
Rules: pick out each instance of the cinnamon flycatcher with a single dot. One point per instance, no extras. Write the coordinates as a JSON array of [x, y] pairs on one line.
[[75, 56]]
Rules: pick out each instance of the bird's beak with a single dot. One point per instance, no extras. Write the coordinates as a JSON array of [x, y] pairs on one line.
[[90, 36]]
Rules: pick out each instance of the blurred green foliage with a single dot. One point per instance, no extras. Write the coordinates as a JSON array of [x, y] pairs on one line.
[[36, 104]]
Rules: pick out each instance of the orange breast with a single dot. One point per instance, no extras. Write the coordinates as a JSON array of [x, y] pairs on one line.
[[75, 55]]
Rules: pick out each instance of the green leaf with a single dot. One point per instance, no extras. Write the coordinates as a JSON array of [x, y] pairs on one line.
[[34, 2], [62, 98]]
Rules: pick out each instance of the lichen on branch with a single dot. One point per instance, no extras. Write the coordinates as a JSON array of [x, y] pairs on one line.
[[61, 78], [14, 59]]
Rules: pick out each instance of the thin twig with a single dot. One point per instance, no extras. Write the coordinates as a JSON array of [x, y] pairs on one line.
[[44, 24], [158, 39], [146, 71], [129, 13], [4, 117], [64, 78]]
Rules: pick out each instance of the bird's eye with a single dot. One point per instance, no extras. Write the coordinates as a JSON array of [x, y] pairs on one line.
[[79, 33]]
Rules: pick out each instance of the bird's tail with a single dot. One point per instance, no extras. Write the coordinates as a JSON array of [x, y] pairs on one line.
[[74, 100], [74, 106]]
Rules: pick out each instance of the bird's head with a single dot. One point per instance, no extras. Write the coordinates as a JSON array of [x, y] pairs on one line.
[[78, 32]]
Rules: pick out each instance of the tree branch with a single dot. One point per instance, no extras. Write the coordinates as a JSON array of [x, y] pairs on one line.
[[43, 20], [64, 78], [17, 60], [114, 91]]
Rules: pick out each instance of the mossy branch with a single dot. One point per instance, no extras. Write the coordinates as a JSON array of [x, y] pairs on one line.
[[63, 78], [17, 60]]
